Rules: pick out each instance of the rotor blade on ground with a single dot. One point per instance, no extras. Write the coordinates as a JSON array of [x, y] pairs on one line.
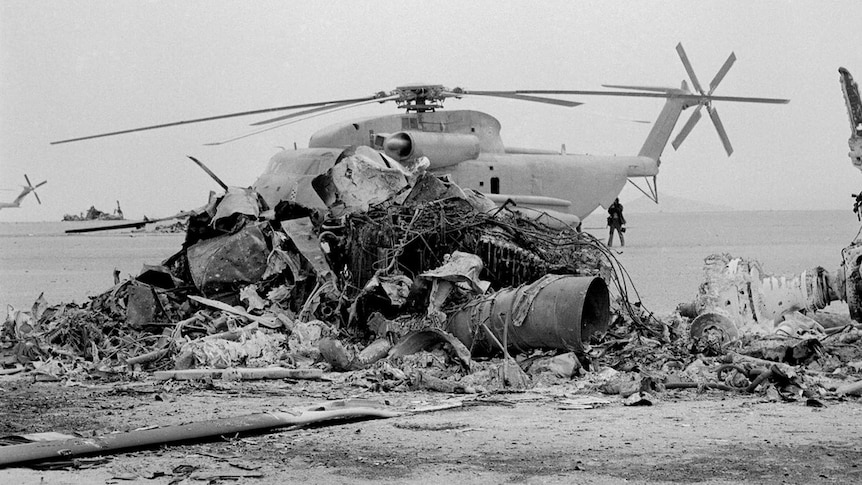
[[721, 72], [127, 225], [719, 127], [522, 97], [686, 129], [632, 94], [688, 68], [211, 118], [297, 120], [302, 113]]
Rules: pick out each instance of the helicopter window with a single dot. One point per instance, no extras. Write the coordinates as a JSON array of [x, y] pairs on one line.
[[491, 167], [481, 184], [495, 185], [355, 126], [409, 123], [472, 129]]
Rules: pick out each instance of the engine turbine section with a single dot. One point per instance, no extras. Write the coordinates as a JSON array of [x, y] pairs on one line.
[[441, 149]]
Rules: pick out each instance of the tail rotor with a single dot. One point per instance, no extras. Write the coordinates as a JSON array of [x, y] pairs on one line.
[[705, 99], [33, 188]]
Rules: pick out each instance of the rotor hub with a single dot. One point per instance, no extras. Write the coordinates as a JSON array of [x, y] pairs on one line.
[[420, 98]]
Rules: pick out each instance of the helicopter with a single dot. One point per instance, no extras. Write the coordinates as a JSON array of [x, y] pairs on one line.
[[466, 145], [26, 191]]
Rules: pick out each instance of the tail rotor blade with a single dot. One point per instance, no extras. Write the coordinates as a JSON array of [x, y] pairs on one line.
[[689, 125], [688, 68], [719, 127], [721, 73]]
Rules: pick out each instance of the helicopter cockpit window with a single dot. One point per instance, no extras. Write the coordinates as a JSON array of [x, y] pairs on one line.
[[495, 185]]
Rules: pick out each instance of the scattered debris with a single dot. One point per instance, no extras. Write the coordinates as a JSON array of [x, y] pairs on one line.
[[93, 214], [239, 374], [396, 251], [582, 402], [396, 279], [738, 298]]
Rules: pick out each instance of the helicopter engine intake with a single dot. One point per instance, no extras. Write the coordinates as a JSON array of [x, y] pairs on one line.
[[441, 149]]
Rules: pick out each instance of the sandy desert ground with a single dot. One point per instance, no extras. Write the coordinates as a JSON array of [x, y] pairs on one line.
[[520, 437]]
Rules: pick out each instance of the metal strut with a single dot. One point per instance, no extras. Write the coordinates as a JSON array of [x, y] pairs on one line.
[[651, 186]]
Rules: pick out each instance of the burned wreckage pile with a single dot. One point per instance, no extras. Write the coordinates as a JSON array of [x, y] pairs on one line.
[[405, 281]]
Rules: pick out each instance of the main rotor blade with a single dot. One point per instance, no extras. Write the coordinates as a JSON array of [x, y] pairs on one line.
[[688, 68], [669, 94], [719, 127], [686, 129], [302, 113], [211, 118], [721, 73], [656, 89], [40, 184], [36, 194], [297, 120], [522, 97], [28, 181]]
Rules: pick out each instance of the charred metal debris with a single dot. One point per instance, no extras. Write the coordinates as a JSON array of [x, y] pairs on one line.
[[398, 279]]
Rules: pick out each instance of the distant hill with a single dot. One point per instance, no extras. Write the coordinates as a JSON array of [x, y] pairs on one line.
[[671, 204]]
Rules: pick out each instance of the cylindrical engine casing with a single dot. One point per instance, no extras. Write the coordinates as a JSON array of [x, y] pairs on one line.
[[559, 312], [441, 149]]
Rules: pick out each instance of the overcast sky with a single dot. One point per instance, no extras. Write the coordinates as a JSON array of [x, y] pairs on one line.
[[77, 68]]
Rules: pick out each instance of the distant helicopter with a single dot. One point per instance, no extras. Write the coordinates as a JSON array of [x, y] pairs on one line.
[[27, 189], [467, 145]]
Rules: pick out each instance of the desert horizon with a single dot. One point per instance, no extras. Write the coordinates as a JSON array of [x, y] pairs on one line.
[[664, 252]]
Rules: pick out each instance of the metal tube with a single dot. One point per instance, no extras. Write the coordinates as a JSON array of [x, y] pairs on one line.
[[555, 312]]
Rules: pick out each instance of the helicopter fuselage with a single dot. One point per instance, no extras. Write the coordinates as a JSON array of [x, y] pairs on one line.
[[467, 146]]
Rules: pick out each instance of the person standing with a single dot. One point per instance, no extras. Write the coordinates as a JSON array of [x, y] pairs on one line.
[[616, 222]]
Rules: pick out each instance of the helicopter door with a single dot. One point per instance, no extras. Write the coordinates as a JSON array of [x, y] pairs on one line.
[[495, 185]]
